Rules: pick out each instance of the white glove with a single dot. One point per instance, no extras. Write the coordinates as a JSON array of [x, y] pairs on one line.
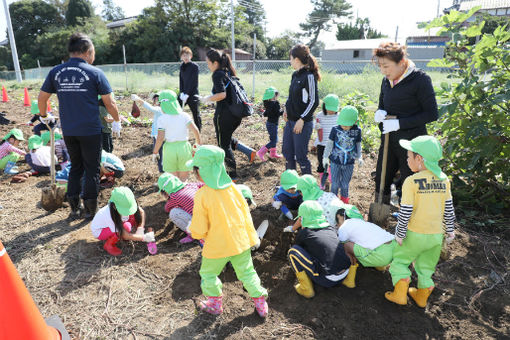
[[183, 97], [256, 246], [399, 240], [390, 125], [288, 229], [49, 119], [135, 97], [139, 231], [277, 204], [449, 237], [149, 237], [116, 127], [289, 215], [155, 157], [360, 162], [204, 100], [325, 161], [380, 115]]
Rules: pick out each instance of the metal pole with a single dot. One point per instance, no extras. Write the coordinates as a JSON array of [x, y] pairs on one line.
[[396, 35], [254, 54], [232, 29], [39, 67], [125, 64], [12, 42]]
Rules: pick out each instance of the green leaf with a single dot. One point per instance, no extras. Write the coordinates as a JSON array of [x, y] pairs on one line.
[[474, 30], [440, 63]]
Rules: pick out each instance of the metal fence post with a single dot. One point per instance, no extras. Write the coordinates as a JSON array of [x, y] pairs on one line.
[[254, 54]]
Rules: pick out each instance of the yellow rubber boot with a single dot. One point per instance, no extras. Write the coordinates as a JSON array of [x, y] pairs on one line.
[[305, 285], [350, 279], [420, 295], [399, 293], [382, 268]]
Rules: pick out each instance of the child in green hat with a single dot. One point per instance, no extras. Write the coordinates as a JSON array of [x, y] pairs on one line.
[[106, 122], [173, 129], [60, 147], [287, 197], [318, 255], [272, 111], [221, 217], [342, 149], [39, 157], [9, 151], [426, 203], [34, 110], [180, 198], [324, 122], [115, 221]]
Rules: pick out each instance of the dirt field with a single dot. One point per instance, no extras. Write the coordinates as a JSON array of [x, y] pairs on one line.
[[139, 296]]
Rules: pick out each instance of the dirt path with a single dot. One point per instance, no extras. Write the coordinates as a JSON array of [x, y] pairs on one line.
[[139, 296]]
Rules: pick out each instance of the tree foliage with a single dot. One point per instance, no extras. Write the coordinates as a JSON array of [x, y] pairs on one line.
[[111, 12], [360, 29], [324, 14], [475, 114], [279, 47], [78, 9]]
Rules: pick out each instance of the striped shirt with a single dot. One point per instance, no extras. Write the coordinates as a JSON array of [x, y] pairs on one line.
[[6, 148], [326, 123], [183, 198]]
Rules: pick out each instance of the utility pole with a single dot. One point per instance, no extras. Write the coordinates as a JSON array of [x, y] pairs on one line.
[[396, 35], [12, 42], [232, 29]]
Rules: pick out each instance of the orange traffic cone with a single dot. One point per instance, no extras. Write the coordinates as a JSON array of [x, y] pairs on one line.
[[5, 98], [26, 100], [20, 317]]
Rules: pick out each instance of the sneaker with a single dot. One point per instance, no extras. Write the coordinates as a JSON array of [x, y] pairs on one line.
[[261, 306], [152, 248]]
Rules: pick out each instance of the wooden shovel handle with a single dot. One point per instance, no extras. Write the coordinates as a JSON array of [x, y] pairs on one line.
[[384, 163]]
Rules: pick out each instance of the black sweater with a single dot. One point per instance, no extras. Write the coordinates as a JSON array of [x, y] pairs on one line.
[[412, 100], [273, 111], [188, 79], [303, 96]]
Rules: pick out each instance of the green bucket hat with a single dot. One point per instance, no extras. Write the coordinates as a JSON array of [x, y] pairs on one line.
[[34, 108], [331, 102], [309, 188], [430, 149], [46, 137], [245, 190], [351, 211], [209, 159], [269, 93], [16, 133], [124, 200], [168, 102], [348, 116], [312, 215], [169, 183], [289, 179], [34, 142]]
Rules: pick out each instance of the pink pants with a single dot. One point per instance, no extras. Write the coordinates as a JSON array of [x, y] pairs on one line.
[[106, 233]]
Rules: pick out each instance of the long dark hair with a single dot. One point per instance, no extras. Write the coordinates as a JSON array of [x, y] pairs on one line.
[[117, 220], [302, 52], [223, 60]]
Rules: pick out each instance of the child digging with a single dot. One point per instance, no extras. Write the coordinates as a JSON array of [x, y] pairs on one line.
[[222, 219], [287, 198], [426, 202], [272, 111], [9, 151]]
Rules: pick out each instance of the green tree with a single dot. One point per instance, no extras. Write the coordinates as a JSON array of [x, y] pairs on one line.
[[60, 5], [255, 16], [360, 29], [111, 12], [5, 58], [78, 9], [279, 47], [324, 14]]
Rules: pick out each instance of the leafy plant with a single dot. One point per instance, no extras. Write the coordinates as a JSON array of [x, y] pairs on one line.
[[475, 115], [370, 131]]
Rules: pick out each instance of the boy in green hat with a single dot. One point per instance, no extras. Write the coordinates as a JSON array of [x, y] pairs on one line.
[[180, 198], [273, 111], [426, 202], [39, 157], [173, 129], [34, 110], [9, 152], [342, 149], [287, 197], [106, 122], [325, 121], [222, 219], [318, 255]]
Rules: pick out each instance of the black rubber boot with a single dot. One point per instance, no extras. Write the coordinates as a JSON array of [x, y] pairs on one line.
[[90, 208], [76, 207]]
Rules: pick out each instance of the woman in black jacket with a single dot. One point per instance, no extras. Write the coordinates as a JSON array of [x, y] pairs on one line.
[[299, 108], [407, 93], [188, 85], [225, 123]]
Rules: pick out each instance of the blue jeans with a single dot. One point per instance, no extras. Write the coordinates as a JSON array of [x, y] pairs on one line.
[[272, 130], [340, 178], [160, 160], [295, 147]]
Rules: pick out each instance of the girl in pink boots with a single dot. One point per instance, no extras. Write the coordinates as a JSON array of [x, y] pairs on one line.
[[273, 111]]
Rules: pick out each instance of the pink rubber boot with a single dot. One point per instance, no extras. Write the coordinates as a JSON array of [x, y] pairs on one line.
[[186, 239], [320, 180], [261, 153], [261, 306], [274, 154], [345, 199], [213, 305]]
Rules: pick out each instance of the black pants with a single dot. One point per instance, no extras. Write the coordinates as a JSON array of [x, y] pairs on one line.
[[193, 106], [320, 155], [107, 142], [85, 154], [397, 158], [225, 124]]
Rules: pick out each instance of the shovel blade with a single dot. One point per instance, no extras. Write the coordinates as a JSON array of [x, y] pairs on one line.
[[261, 230], [52, 197], [378, 213]]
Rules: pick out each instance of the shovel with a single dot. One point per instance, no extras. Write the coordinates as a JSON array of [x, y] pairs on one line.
[[52, 197], [379, 211], [261, 231]]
